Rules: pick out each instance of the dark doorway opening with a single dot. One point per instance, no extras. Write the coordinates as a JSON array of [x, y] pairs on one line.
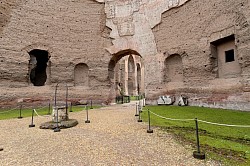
[[38, 66]]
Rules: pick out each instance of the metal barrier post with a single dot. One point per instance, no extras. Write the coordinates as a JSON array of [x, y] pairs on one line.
[[67, 113], [49, 109], [136, 109], [32, 119], [139, 120], [70, 107], [57, 129], [87, 112], [91, 105], [20, 112], [149, 129], [198, 154]]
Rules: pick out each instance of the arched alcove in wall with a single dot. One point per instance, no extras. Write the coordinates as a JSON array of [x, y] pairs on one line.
[[173, 69], [39, 71], [81, 75]]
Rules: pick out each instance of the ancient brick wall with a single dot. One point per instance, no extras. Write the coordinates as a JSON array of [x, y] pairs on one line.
[[72, 32], [178, 42], [190, 31]]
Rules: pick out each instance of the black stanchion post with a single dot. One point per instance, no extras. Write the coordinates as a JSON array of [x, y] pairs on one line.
[[1, 149], [136, 109], [32, 119], [20, 112], [91, 105], [87, 112], [140, 107], [149, 127], [198, 154], [57, 129], [139, 120], [49, 109], [70, 107]]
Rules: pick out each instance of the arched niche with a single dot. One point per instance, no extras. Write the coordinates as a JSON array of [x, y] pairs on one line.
[[81, 75], [39, 67], [173, 69]]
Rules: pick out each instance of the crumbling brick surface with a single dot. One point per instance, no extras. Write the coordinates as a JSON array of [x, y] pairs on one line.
[[89, 31], [190, 29], [72, 32]]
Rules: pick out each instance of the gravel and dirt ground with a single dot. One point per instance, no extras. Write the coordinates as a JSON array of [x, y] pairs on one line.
[[114, 137]]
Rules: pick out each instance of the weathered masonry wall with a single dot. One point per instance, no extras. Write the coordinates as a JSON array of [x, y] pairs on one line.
[[72, 32], [197, 48], [200, 32]]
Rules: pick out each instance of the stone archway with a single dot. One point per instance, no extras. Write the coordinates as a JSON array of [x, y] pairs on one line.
[[81, 75], [123, 72]]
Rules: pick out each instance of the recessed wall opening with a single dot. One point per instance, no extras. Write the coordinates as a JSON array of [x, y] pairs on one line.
[[229, 55], [224, 58], [173, 69], [38, 66], [81, 75]]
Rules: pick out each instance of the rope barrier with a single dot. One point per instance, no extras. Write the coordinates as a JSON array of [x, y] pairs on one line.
[[171, 118], [40, 115], [42, 108], [227, 125], [13, 109], [218, 124]]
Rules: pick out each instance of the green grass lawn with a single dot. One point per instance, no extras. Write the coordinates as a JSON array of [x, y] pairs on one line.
[[27, 112], [136, 98], [228, 144]]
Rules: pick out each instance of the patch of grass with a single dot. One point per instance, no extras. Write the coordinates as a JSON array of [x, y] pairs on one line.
[[135, 98], [27, 112], [217, 140]]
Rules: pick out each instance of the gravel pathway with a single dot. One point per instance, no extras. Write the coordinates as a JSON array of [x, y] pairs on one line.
[[114, 137]]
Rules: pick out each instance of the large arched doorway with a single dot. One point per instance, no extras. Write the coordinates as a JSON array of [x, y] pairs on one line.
[[38, 71], [81, 75], [123, 73]]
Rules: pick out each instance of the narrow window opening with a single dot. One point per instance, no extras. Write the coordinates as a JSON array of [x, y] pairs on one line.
[[229, 55]]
